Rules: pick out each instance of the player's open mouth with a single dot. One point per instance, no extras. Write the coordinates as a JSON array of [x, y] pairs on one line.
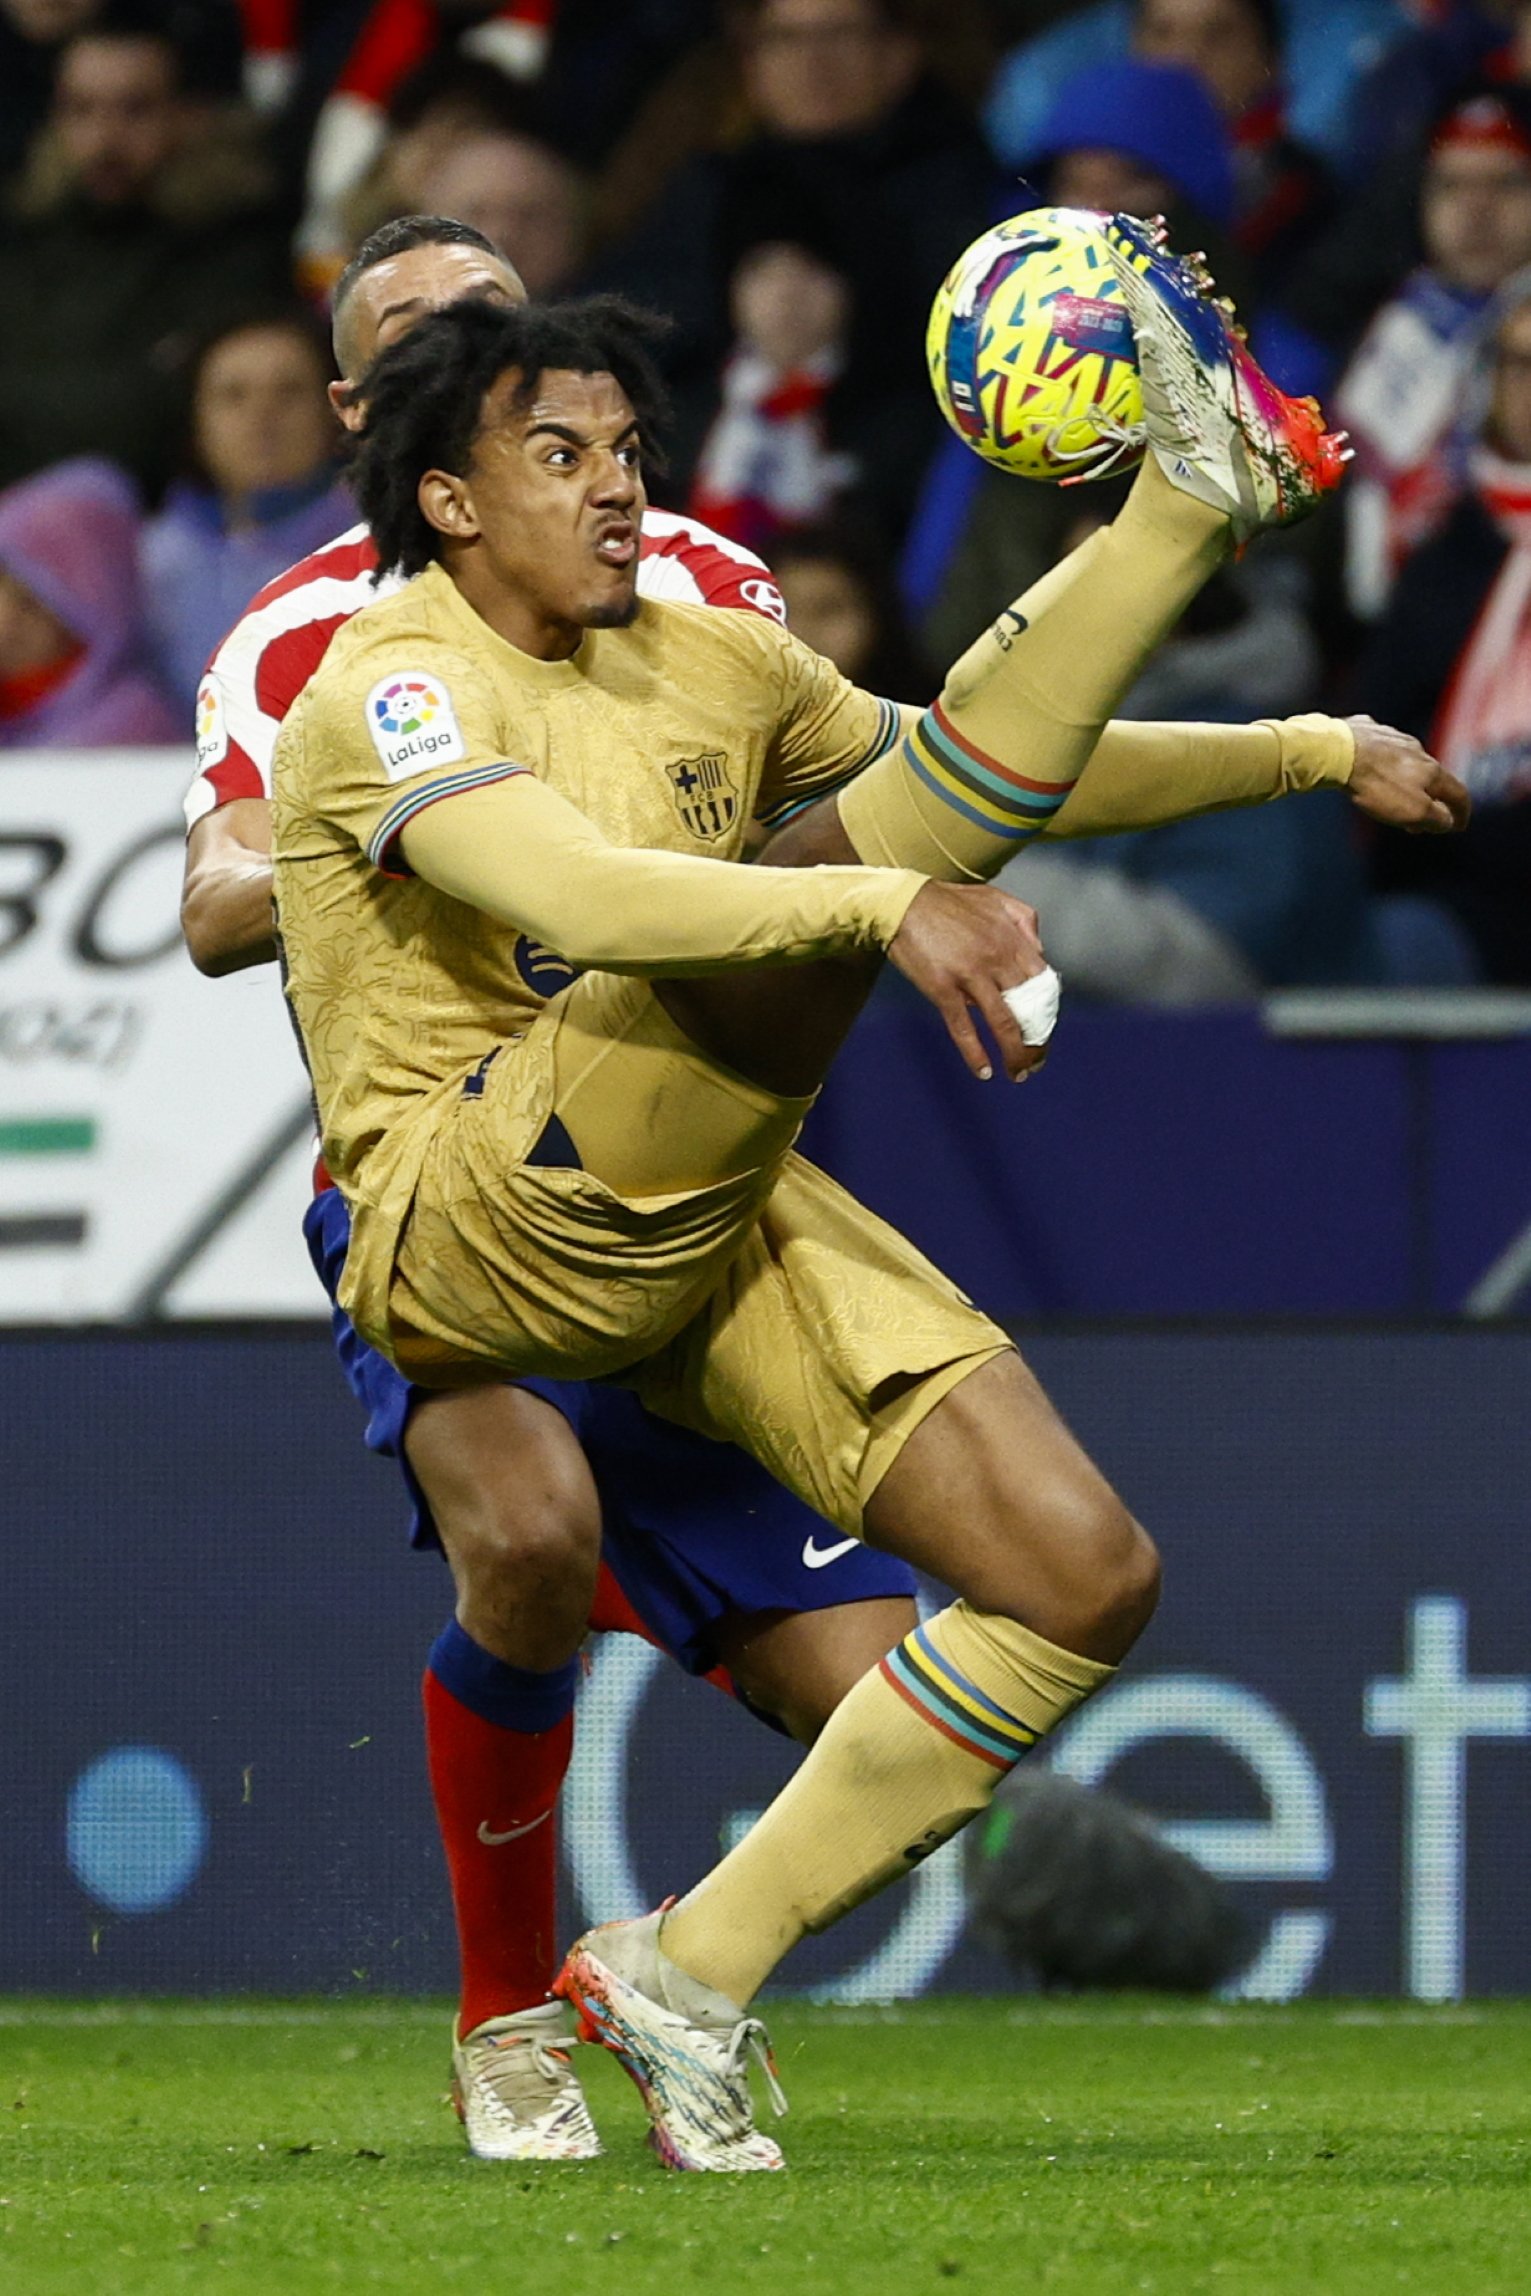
[[618, 546]]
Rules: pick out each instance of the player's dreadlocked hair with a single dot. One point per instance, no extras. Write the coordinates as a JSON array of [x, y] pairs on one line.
[[424, 397]]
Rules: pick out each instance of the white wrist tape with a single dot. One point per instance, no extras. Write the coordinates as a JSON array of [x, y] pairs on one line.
[[1035, 1005]]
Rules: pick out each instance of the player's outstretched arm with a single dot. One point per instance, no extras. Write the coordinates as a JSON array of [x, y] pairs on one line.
[[523, 854], [1141, 775], [226, 888]]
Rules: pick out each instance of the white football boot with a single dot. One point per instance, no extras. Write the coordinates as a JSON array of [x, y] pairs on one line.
[[516, 2092], [1216, 423], [686, 2047]]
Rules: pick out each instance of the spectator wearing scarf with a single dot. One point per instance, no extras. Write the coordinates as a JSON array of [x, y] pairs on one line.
[[1451, 661], [1402, 395]]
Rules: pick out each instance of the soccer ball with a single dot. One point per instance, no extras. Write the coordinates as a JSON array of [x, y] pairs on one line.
[[1032, 356]]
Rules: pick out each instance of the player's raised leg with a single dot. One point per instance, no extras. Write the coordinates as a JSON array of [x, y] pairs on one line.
[[987, 767], [512, 1501]]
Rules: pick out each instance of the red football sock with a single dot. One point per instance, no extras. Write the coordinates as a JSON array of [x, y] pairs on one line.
[[496, 1792], [612, 1613]]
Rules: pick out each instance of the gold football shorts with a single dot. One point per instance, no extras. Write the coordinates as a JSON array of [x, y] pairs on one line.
[[757, 1302]]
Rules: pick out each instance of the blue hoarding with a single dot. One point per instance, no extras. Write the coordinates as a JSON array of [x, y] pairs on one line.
[[210, 1765]]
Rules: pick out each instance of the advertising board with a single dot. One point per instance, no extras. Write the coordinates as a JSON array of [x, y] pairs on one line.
[[210, 1761]]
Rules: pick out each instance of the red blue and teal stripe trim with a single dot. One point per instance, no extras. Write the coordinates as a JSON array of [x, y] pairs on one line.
[[944, 1697], [990, 795], [380, 845], [885, 734]]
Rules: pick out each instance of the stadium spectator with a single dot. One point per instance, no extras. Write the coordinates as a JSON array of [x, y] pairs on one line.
[[450, 100], [766, 465], [520, 193], [261, 489], [1455, 49], [136, 232], [1146, 138], [394, 40], [1401, 394], [855, 150], [1328, 47], [1282, 190], [31, 34], [1451, 659], [73, 653], [841, 602]]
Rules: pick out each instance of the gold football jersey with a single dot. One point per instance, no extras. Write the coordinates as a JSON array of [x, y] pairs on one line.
[[670, 735]]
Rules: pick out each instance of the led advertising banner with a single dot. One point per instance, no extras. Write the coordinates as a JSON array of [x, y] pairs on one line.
[[210, 1761]]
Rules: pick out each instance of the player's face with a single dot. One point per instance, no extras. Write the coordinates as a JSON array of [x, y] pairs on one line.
[[394, 296], [543, 526]]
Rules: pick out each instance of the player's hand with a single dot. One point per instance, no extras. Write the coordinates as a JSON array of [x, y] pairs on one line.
[[1395, 780], [963, 946]]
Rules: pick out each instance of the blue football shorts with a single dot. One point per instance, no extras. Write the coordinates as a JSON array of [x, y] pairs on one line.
[[692, 1530]]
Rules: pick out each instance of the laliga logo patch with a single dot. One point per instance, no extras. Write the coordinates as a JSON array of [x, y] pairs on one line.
[[412, 724], [212, 733]]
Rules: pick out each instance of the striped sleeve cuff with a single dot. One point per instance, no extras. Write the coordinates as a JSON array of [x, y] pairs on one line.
[[889, 720], [392, 824]]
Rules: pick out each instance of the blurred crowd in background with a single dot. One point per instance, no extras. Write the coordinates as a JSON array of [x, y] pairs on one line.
[[789, 180]]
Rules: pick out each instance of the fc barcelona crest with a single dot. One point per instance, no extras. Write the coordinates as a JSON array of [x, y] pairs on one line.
[[705, 796]]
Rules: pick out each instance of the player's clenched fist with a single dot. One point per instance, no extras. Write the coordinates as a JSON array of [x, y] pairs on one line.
[[963, 946], [1395, 780]]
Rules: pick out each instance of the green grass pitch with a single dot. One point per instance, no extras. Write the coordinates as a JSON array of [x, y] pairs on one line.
[[1009, 2145]]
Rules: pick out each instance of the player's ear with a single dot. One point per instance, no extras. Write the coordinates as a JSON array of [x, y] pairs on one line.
[[345, 404], [446, 504]]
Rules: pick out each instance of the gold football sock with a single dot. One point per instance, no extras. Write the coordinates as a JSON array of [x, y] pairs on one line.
[[989, 764], [906, 1759]]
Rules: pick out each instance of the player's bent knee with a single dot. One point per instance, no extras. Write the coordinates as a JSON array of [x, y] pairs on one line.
[[1094, 1588], [1130, 1583]]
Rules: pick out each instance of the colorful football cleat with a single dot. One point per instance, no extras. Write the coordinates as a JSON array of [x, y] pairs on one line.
[[516, 2092], [685, 2047], [1217, 425]]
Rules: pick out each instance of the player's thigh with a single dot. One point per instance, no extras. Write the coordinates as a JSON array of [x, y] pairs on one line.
[[826, 1339], [578, 1202], [993, 1494], [507, 1482], [799, 1664], [648, 1109]]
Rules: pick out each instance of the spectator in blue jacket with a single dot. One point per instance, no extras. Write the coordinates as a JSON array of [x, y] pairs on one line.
[[261, 488]]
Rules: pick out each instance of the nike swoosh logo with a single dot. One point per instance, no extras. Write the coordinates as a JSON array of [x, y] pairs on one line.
[[814, 1558], [492, 1841]]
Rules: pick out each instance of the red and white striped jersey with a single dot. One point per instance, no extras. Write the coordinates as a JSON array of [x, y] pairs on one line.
[[271, 653]]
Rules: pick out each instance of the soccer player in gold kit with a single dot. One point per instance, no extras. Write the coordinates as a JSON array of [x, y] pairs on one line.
[[509, 752]]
